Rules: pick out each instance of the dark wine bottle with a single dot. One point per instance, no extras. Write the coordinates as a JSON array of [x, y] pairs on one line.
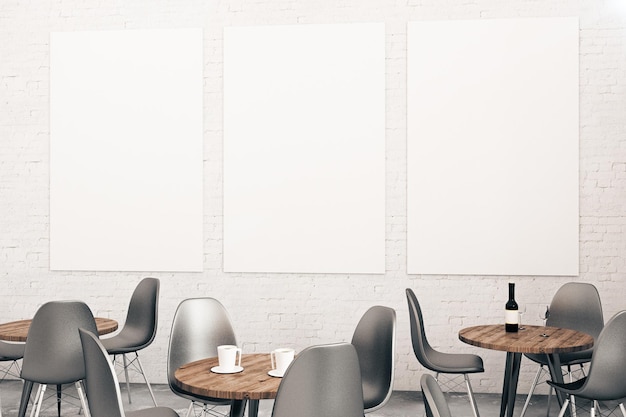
[[511, 316]]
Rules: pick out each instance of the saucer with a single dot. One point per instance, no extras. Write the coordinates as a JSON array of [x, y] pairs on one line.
[[275, 373], [219, 370]]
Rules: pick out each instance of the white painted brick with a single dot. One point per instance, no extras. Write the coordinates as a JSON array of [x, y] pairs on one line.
[[303, 309]]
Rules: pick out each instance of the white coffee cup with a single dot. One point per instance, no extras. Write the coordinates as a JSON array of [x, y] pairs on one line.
[[227, 357], [281, 358]]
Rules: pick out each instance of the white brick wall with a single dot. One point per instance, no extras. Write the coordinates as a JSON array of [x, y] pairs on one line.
[[301, 309]]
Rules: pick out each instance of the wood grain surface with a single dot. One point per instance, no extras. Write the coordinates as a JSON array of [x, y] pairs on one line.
[[533, 339], [17, 331], [252, 383]]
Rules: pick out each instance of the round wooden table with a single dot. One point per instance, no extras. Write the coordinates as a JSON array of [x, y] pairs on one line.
[[17, 331], [532, 339], [251, 385]]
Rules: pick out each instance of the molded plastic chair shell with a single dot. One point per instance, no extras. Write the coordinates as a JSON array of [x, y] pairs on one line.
[[11, 352], [575, 305], [200, 325], [102, 387], [139, 328], [323, 380], [374, 340], [434, 400], [608, 366], [141, 322], [445, 363], [53, 353]]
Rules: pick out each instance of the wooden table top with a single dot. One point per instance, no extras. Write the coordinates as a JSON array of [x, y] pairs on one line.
[[17, 331], [533, 339], [253, 383]]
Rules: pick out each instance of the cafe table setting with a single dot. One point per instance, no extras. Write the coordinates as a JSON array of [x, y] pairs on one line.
[[516, 340], [232, 375]]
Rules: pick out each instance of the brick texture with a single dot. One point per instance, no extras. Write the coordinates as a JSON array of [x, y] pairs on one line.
[[270, 310]]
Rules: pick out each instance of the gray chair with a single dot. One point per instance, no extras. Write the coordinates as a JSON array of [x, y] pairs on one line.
[[200, 325], [605, 381], [139, 329], [577, 306], [11, 352], [434, 401], [101, 384], [439, 362], [374, 340], [322, 380], [53, 353]]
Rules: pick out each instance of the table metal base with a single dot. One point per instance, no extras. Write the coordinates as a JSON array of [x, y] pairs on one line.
[[238, 408], [511, 376]]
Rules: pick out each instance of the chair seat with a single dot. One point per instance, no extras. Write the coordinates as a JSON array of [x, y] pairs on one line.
[[373, 394], [125, 342], [153, 412], [569, 387], [569, 358], [454, 363], [199, 398], [12, 351]]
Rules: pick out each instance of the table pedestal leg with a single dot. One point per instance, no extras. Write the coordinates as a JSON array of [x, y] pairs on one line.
[[509, 385], [237, 407], [253, 408], [554, 365]]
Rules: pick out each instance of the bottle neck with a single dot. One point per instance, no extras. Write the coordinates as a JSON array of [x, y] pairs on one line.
[[511, 291]]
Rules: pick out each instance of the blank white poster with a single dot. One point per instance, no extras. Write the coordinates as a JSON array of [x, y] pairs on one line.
[[126, 150], [304, 148], [493, 147]]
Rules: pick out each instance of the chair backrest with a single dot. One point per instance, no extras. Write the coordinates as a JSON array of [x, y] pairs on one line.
[[577, 305], [102, 387], [434, 400], [605, 380], [374, 340], [200, 325], [322, 380], [53, 352], [142, 317], [421, 347]]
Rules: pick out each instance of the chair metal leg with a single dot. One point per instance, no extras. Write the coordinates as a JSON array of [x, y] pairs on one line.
[[470, 394], [37, 406], [59, 394], [593, 408], [139, 368], [573, 402], [572, 406], [145, 379], [83, 401], [621, 407], [8, 371], [125, 363], [564, 408], [532, 389], [191, 408]]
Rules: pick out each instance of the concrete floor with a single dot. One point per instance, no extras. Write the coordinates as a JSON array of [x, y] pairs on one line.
[[402, 403]]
